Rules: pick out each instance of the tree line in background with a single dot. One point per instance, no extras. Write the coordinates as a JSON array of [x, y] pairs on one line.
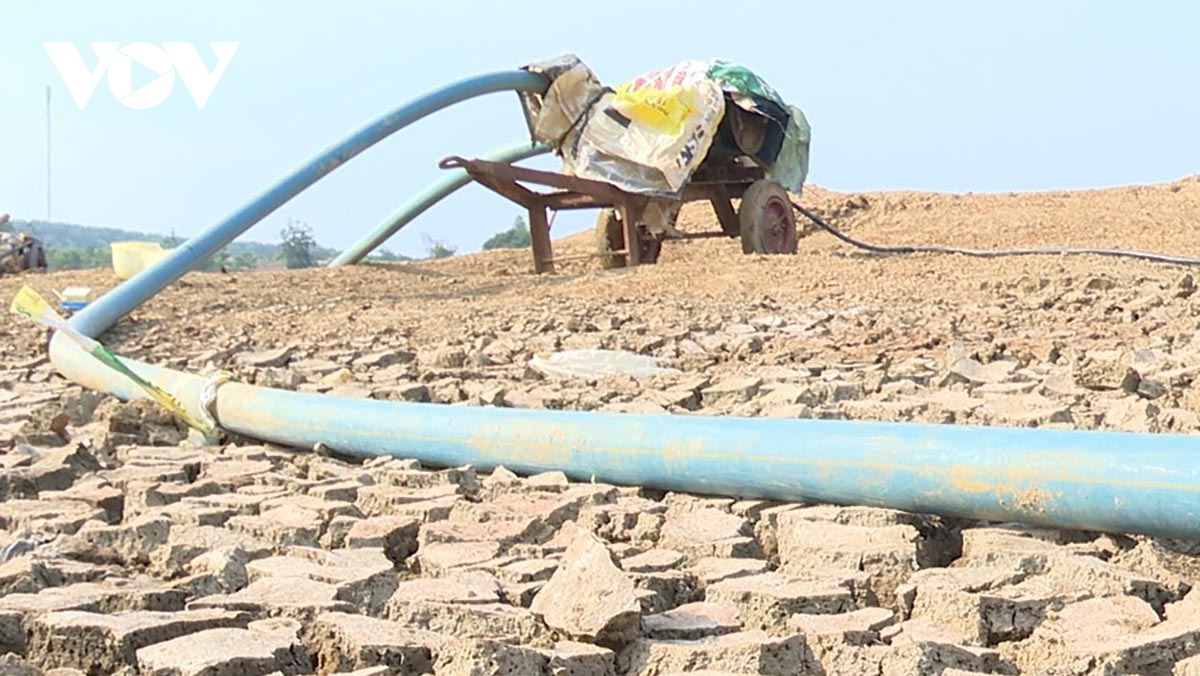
[[78, 247]]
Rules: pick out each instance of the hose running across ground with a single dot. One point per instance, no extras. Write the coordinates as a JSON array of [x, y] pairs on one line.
[[991, 253]]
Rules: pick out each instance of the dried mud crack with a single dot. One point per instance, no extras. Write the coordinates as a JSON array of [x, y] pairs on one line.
[[131, 551]]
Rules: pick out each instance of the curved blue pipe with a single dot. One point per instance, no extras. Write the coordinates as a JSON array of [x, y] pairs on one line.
[[436, 192], [109, 309]]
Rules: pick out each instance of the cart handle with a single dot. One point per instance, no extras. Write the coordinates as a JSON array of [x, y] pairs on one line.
[[452, 162]]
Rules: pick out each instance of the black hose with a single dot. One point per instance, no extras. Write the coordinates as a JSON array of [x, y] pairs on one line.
[[992, 253]]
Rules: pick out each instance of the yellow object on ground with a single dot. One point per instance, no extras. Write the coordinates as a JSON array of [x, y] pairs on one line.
[[130, 258]]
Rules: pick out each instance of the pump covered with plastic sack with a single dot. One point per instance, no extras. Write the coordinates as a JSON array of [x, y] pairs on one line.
[[651, 134], [698, 131]]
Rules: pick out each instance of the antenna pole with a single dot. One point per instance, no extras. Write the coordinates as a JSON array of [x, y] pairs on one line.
[[47, 153]]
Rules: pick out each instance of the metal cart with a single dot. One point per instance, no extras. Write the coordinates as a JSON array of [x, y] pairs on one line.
[[735, 168]]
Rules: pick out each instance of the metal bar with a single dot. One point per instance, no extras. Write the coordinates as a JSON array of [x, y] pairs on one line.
[[563, 201], [598, 254], [631, 211], [547, 178], [723, 207], [517, 193], [539, 235], [709, 234]]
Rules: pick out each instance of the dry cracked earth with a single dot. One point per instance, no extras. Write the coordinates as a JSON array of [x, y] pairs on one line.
[[129, 549]]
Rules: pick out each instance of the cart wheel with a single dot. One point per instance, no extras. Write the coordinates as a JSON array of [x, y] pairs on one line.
[[651, 248], [610, 236], [766, 219]]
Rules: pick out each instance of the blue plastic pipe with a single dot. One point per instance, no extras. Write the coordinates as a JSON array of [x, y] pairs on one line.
[[109, 309], [1104, 481], [436, 192]]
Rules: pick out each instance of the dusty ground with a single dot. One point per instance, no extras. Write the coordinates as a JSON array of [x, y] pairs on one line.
[[170, 559]]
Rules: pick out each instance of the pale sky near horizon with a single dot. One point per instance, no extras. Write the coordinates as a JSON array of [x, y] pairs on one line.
[[926, 95]]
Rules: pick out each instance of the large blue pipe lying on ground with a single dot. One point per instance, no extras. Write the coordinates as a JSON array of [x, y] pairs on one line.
[[1103, 481]]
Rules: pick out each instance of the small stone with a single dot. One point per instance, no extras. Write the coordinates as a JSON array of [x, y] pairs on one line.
[[413, 392], [478, 620], [731, 391], [443, 358], [384, 359], [428, 504], [742, 652], [709, 532], [1028, 410], [986, 606], [342, 642], [265, 358], [653, 561], [342, 377], [462, 587], [1107, 372], [97, 643], [129, 543], [568, 658], [295, 597], [712, 569], [363, 577], [226, 565], [487, 657], [443, 558], [548, 481], [766, 601], [589, 596], [396, 535], [283, 526], [971, 371], [692, 621], [278, 378], [263, 647], [858, 627], [13, 665], [889, 554]]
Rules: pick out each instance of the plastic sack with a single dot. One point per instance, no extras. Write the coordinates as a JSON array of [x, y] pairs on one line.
[[597, 364], [649, 135], [791, 166]]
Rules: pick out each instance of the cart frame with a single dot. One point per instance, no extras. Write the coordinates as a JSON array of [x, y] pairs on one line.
[[718, 185]]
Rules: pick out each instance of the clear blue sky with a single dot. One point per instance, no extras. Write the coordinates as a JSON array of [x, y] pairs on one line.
[[948, 96]]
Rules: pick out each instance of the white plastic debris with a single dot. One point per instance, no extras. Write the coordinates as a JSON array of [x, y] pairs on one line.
[[596, 364]]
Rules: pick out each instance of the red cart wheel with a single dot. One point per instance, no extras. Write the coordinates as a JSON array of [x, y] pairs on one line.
[[610, 237], [767, 220]]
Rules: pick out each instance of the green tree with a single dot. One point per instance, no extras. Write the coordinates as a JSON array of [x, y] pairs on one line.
[[516, 237], [436, 248], [244, 261], [77, 258], [297, 246], [215, 262]]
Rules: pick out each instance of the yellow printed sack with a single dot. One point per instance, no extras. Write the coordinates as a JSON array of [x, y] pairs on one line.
[[664, 112]]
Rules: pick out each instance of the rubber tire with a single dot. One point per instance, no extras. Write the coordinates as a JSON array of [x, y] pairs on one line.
[[610, 236], [764, 203]]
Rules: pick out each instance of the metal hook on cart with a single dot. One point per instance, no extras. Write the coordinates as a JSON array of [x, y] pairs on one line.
[[452, 162]]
